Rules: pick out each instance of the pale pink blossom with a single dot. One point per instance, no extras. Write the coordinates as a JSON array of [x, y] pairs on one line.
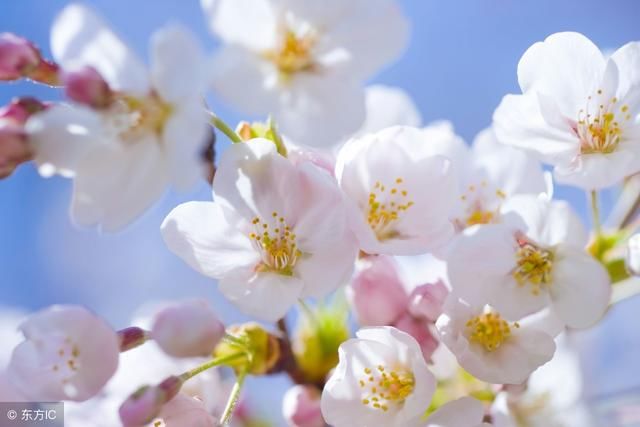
[[301, 407]]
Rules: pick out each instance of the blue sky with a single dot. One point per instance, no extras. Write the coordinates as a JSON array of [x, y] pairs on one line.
[[461, 61]]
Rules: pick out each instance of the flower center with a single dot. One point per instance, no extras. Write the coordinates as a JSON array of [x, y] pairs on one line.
[[382, 388], [489, 330], [534, 266], [295, 53], [476, 201], [385, 208], [599, 131], [131, 118], [65, 359], [276, 244]]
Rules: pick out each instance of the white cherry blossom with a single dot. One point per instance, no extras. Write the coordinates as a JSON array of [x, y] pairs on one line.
[[275, 232], [122, 157], [398, 194], [534, 261], [578, 110], [302, 61], [490, 347], [68, 354]]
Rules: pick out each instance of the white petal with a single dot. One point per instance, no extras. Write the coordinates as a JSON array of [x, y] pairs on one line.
[[388, 106], [597, 171], [518, 121], [324, 271], [581, 288], [179, 69], [627, 58], [266, 296], [61, 135], [355, 26], [251, 23], [199, 233], [185, 135], [463, 412], [80, 37], [241, 79], [566, 65], [115, 183]]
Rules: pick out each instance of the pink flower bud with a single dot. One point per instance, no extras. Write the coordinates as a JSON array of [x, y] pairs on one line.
[[14, 148], [131, 338], [301, 407], [426, 301], [18, 57], [86, 86], [146, 403], [377, 294], [419, 330], [20, 109], [189, 329]]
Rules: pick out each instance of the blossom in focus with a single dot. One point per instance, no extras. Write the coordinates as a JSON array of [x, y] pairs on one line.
[[123, 155], [398, 194], [381, 380], [188, 329], [491, 347], [301, 407], [536, 260], [68, 354], [578, 110], [377, 294], [298, 60], [275, 232]]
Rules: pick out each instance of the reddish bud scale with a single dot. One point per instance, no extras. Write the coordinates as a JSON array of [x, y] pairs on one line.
[[131, 337]]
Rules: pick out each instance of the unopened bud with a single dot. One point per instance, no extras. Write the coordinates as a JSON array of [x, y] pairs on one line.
[[419, 330], [145, 404], [18, 57], [301, 407], [14, 148], [20, 109], [131, 338], [86, 86], [189, 329], [426, 301], [376, 293], [264, 349]]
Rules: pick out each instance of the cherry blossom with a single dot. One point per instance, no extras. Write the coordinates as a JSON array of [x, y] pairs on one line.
[[578, 110], [297, 60], [68, 354], [398, 194], [275, 232], [123, 156]]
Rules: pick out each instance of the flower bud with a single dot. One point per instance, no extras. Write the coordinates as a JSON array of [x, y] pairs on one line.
[[14, 148], [376, 293], [301, 407], [426, 301], [131, 338], [419, 330], [145, 404], [86, 86], [633, 255], [189, 329], [18, 57], [263, 347], [20, 109]]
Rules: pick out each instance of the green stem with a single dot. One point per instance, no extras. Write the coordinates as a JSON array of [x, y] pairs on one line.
[[233, 398], [212, 364], [277, 139], [224, 128], [595, 213]]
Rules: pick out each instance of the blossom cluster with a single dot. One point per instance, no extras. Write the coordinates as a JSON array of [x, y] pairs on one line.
[[336, 198]]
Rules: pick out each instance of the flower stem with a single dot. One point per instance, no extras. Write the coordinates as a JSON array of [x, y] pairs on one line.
[[224, 128], [213, 363], [277, 138], [233, 398], [595, 213]]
